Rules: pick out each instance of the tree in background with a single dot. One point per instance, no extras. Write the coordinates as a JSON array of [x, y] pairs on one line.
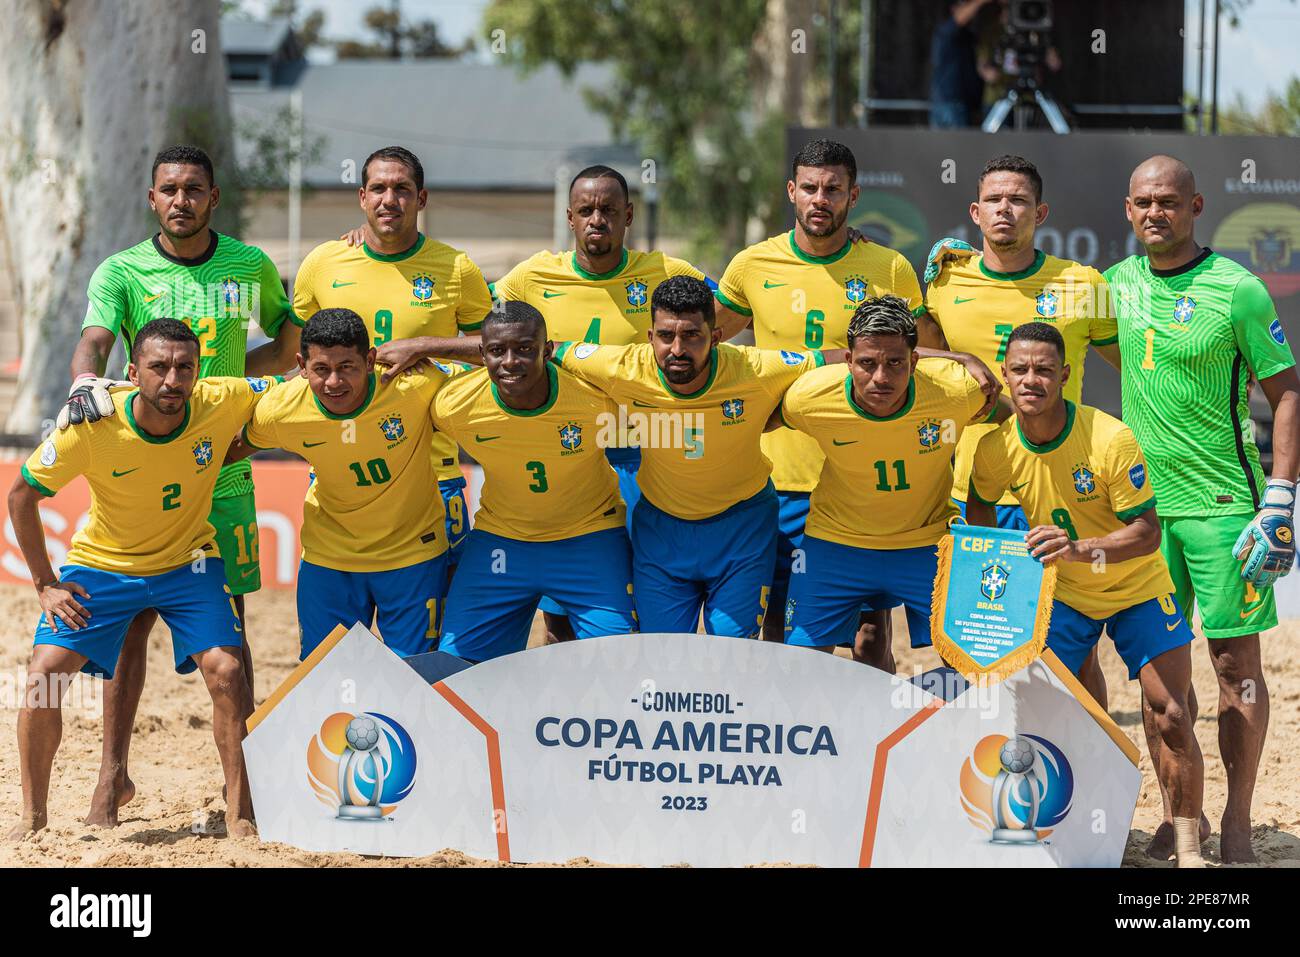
[[395, 37], [1278, 115], [87, 97]]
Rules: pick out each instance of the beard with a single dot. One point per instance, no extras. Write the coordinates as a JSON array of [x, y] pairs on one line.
[[680, 375], [835, 223]]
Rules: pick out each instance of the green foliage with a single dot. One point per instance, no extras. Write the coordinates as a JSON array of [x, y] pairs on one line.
[[1278, 115], [681, 90], [395, 37]]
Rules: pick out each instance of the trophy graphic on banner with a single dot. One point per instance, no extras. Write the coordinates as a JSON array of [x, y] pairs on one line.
[[363, 738], [1017, 776]]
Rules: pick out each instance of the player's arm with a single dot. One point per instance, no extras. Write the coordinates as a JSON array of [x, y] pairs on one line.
[[980, 513], [1139, 536], [730, 322], [1267, 543], [58, 599], [929, 334], [106, 310], [1103, 325], [277, 319], [989, 384], [402, 354], [989, 476], [731, 307], [279, 356]]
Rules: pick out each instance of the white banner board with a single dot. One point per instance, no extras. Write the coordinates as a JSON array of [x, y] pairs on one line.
[[667, 749]]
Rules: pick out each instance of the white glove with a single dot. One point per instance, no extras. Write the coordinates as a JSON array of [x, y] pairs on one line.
[[88, 401], [1266, 547]]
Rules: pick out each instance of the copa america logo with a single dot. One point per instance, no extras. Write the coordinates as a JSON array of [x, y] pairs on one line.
[[1016, 789], [362, 765]]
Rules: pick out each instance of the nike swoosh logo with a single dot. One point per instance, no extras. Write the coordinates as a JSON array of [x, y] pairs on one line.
[[547, 294], [643, 405], [772, 285], [157, 295], [246, 572], [339, 285], [311, 445], [959, 300], [117, 474], [1250, 611], [1174, 625], [485, 438], [1017, 488], [849, 442]]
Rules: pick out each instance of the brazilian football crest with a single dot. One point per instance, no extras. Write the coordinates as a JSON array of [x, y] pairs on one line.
[[392, 427], [230, 291], [993, 580], [1046, 303], [257, 385], [855, 289], [789, 612], [1084, 483], [733, 409], [202, 452], [571, 436], [928, 433], [636, 293], [1184, 308], [422, 288]]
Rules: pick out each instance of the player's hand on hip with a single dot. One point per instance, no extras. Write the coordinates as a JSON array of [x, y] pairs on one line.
[[88, 401], [1266, 546], [400, 356], [59, 600], [355, 236], [945, 250], [1051, 543]]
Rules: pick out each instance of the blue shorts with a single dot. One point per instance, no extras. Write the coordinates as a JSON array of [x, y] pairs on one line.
[[1009, 516], [839, 580], [721, 565], [195, 605], [625, 463], [406, 603], [495, 593], [791, 515], [1141, 632], [453, 503]]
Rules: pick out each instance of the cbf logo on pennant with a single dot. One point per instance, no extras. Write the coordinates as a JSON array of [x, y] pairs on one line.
[[992, 601]]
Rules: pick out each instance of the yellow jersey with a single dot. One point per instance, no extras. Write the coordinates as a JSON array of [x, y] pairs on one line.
[[700, 453], [1090, 481], [799, 301], [611, 308], [886, 480], [373, 506], [977, 308], [545, 476], [431, 289], [149, 495]]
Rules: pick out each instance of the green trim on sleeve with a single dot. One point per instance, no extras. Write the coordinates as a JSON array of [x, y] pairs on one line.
[[1106, 342], [780, 411], [30, 480], [471, 326], [296, 319], [919, 311], [560, 349], [718, 295], [819, 359], [243, 435], [978, 497], [1131, 513]]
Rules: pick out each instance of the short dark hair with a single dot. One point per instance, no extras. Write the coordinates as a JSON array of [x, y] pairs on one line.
[[823, 153], [184, 156], [398, 154], [1038, 332], [1012, 164], [682, 295], [514, 313], [883, 316], [602, 172], [336, 327], [166, 329]]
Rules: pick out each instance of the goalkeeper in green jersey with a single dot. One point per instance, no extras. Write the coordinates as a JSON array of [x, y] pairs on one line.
[[1197, 331], [218, 286]]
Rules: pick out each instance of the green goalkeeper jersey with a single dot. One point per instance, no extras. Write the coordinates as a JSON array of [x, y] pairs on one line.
[[218, 294], [1190, 341]]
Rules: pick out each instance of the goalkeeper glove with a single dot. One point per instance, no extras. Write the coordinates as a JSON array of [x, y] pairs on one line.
[[1267, 544], [88, 401], [945, 250]]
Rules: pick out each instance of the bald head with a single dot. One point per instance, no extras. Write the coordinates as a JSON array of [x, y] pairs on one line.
[[1163, 173]]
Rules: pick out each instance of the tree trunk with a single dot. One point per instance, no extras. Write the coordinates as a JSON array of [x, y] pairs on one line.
[[784, 60], [89, 92]]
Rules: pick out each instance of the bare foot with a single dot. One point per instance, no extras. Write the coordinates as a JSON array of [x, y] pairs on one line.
[[1234, 844], [107, 799], [240, 828], [1161, 847], [28, 824]]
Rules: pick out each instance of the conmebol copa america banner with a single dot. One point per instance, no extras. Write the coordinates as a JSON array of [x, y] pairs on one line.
[[666, 749]]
